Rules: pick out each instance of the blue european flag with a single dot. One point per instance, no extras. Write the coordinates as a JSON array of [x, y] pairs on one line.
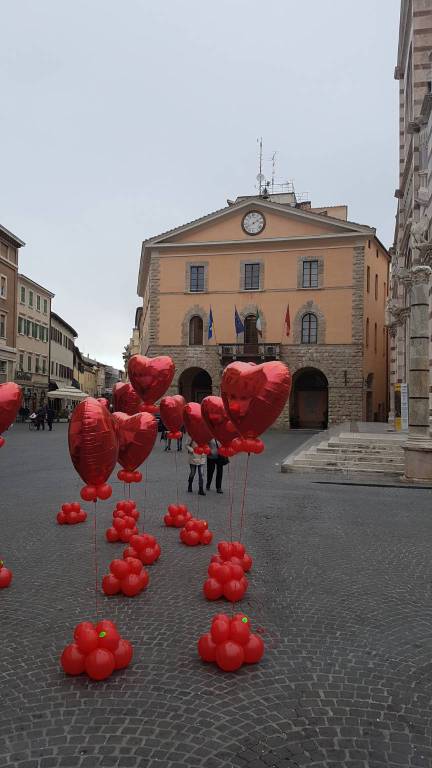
[[239, 327], [210, 325]]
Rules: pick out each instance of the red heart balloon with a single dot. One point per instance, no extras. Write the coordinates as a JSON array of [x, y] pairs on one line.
[[254, 395], [125, 399], [217, 420], [93, 442], [137, 435], [103, 401], [171, 411], [195, 424], [10, 403], [150, 376]]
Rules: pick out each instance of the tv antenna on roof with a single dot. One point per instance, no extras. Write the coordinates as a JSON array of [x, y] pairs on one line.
[[260, 177]]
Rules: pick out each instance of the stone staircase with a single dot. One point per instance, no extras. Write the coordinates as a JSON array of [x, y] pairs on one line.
[[352, 452]]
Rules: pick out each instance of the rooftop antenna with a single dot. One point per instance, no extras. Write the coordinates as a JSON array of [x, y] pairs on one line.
[[273, 170], [260, 177]]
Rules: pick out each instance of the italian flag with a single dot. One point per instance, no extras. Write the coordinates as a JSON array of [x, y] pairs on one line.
[[258, 322]]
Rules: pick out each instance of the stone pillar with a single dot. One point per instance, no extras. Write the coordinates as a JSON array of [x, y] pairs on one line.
[[392, 377], [418, 448]]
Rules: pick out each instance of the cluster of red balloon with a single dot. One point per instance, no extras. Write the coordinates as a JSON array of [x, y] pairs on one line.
[[5, 575], [195, 532], [225, 580], [98, 650], [127, 576], [122, 529], [178, 515], [233, 552], [71, 514], [10, 403], [144, 547], [230, 643]]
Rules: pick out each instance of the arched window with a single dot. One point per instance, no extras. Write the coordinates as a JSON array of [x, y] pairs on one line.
[[195, 331], [250, 332], [309, 328]]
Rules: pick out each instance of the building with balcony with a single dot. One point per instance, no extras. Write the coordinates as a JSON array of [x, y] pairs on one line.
[[9, 248], [62, 346], [273, 260], [33, 341]]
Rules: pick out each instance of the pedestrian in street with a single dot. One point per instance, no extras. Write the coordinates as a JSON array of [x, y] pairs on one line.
[[196, 461], [180, 439], [49, 417], [215, 462], [40, 419]]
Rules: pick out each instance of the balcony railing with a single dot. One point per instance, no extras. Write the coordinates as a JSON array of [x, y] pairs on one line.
[[265, 351], [23, 375]]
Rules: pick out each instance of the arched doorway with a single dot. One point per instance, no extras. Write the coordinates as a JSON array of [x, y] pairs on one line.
[[195, 384], [250, 335], [309, 400]]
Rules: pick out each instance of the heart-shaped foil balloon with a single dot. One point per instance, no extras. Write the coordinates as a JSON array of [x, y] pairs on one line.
[[217, 420], [125, 399], [171, 411], [10, 403], [195, 424], [103, 401], [137, 435], [93, 442], [150, 376], [255, 395]]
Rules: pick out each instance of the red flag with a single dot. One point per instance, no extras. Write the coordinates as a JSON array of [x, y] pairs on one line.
[[288, 321]]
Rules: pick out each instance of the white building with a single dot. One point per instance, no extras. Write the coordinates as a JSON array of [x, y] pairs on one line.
[[33, 341], [62, 356]]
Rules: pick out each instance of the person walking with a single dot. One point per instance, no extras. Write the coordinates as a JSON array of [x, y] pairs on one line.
[[40, 419], [49, 417], [196, 461], [180, 439], [215, 462]]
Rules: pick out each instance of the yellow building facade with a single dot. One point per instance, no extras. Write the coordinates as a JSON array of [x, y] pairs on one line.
[[273, 259]]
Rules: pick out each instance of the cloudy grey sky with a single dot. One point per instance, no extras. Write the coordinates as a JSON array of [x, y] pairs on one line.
[[123, 118]]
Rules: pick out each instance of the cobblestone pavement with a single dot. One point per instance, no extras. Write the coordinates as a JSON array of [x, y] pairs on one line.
[[340, 587]]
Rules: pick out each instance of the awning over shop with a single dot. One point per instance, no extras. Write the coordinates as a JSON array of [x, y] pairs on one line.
[[67, 393]]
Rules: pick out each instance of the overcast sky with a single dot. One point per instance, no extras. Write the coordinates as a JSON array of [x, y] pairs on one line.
[[120, 119]]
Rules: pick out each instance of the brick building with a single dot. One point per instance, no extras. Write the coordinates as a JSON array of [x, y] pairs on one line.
[[262, 255]]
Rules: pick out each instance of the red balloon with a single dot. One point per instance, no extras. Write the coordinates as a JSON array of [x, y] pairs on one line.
[[137, 435], [10, 403], [134, 564], [229, 656], [195, 425], [123, 654], [239, 631], [100, 664], [131, 585], [150, 377], [255, 395], [220, 630], [104, 491], [120, 568], [61, 518], [112, 535], [125, 399], [171, 411], [5, 576], [217, 420], [103, 401], [108, 638], [254, 649], [234, 590], [212, 589], [88, 493], [93, 442], [207, 648], [72, 660], [86, 637], [110, 585]]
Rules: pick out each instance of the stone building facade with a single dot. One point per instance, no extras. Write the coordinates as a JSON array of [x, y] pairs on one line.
[[33, 341], [327, 274], [9, 250]]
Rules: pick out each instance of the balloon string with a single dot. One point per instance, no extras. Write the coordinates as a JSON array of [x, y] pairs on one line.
[[242, 508], [231, 500], [176, 474], [95, 558]]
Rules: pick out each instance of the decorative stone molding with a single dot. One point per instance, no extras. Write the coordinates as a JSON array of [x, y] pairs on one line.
[[188, 266], [192, 312], [357, 321], [154, 301], [242, 275], [420, 274], [310, 306], [300, 261], [250, 309]]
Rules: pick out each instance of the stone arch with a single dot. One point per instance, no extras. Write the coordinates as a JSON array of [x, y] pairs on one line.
[[250, 309], [195, 383], [310, 306], [195, 310], [309, 399]]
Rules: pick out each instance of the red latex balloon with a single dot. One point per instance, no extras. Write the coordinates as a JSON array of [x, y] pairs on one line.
[[123, 654], [72, 660], [255, 395], [10, 403], [110, 585], [207, 648], [125, 399], [254, 649], [171, 411], [5, 576], [229, 656], [217, 420], [93, 442], [100, 664], [137, 435], [86, 637], [195, 424], [150, 376]]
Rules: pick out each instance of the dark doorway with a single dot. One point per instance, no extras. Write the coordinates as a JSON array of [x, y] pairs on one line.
[[195, 331], [195, 384], [250, 335], [309, 400]]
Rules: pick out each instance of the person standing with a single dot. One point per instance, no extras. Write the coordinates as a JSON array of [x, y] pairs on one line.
[[215, 462], [49, 417], [180, 439], [196, 461], [40, 419]]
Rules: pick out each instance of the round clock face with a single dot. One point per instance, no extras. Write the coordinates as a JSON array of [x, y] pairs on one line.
[[253, 222]]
